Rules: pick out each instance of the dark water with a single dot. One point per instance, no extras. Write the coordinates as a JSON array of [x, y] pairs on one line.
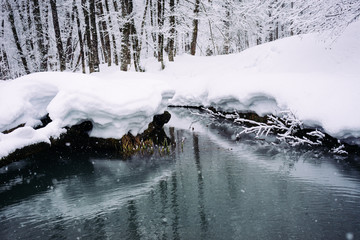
[[209, 187]]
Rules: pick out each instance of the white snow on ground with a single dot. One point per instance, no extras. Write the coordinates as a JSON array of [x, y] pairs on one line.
[[319, 82]]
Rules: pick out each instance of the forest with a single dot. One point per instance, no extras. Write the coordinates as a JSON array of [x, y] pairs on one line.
[[80, 35]]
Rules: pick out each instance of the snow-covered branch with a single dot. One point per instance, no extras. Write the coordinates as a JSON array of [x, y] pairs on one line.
[[285, 127]]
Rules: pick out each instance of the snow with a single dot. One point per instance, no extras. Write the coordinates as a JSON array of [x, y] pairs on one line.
[[319, 81]]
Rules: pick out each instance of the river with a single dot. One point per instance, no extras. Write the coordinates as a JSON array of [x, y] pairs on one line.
[[208, 187]]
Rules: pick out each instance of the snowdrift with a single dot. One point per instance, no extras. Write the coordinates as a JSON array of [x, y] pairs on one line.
[[319, 82]]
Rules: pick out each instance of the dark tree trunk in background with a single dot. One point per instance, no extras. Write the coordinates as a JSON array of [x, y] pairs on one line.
[[40, 36], [16, 37], [116, 8], [46, 33], [152, 23], [59, 44], [81, 43], [87, 35], [104, 34], [134, 40], [29, 40], [172, 31], [195, 28], [125, 41], [160, 9], [226, 49], [70, 23], [94, 37], [4, 64], [116, 60]]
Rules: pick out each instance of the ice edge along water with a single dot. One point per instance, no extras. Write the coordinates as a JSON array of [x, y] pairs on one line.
[[318, 82]]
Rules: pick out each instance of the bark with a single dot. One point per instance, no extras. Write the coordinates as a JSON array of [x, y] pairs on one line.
[[69, 51], [87, 35], [94, 37], [81, 43], [152, 23], [134, 40], [46, 34], [40, 35], [226, 49], [29, 39], [16, 37], [59, 44], [195, 28], [160, 9], [104, 34], [116, 60], [4, 64], [172, 31], [125, 41]]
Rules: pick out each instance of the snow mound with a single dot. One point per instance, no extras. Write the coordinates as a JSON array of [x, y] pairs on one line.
[[115, 104]]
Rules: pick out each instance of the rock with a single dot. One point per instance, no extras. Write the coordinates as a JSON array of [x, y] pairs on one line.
[[155, 131], [45, 120]]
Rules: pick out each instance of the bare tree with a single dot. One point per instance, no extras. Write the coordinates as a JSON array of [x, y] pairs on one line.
[[125, 40], [171, 50], [160, 17], [40, 35], [59, 44], [81, 42], [195, 28], [116, 60], [104, 34], [16, 37], [94, 36]]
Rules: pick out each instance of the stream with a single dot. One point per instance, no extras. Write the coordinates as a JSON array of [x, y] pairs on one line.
[[208, 187]]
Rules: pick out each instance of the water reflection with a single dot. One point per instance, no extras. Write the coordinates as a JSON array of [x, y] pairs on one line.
[[208, 188], [200, 180], [133, 225], [175, 207]]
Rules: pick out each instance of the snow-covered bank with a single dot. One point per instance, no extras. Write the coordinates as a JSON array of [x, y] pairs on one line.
[[319, 83], [115, 106]]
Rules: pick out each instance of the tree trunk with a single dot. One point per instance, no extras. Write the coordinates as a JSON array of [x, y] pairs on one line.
[[226, 49], [87, 35], [82, 54], [160, 8], [125, 41], [29, 40], [59, 44], [116, 60], [195, 30], [104, 33], [40, 36], [94, 38], [172, 31], [152, 23], [16, 37], [4, 64], [46, 32], [69, 51]]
